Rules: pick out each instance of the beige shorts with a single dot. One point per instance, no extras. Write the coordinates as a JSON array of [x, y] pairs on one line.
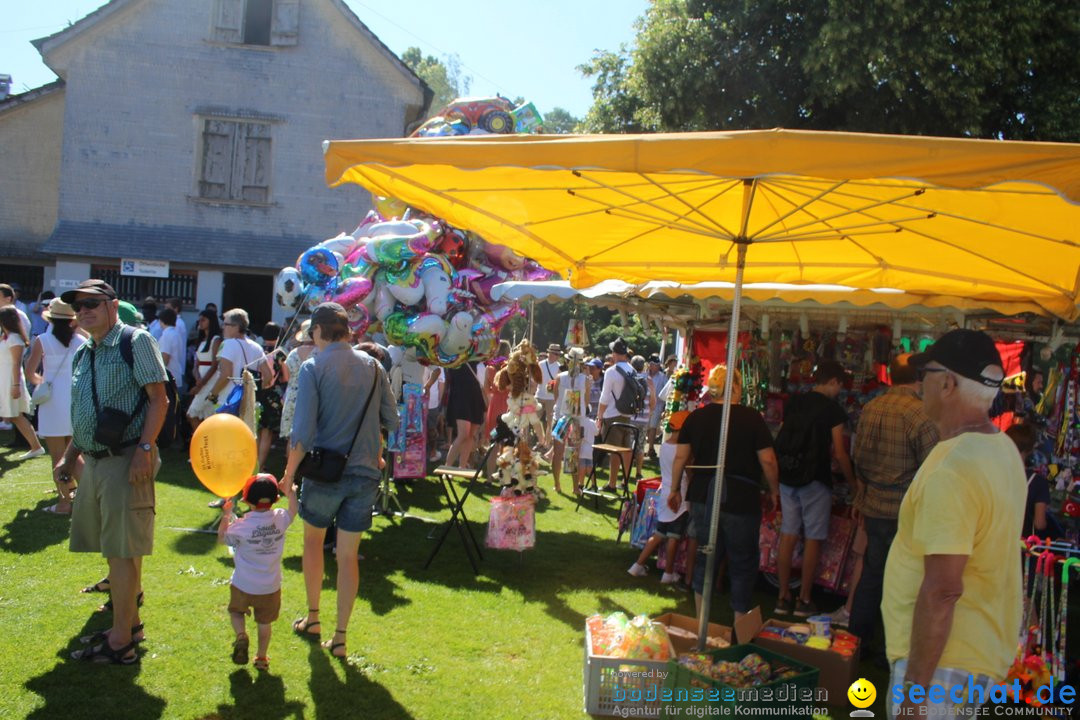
[[265, 608], [110, 515]]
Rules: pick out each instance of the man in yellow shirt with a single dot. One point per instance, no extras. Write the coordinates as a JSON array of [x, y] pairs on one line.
[[952, 598]]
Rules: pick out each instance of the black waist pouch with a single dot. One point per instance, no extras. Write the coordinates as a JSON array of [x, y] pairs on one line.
[[111, 425]]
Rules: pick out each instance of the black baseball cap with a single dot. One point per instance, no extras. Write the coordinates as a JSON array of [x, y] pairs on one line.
[[261, 491], [654, 359], [90, 287], [619, 346], [968, 353]]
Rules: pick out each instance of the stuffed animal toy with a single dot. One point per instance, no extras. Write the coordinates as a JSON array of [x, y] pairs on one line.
[[517, 463]]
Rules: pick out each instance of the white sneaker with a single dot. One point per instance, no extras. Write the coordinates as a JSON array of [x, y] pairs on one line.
[[840, 617], [638, 570], [670, 578], [32, 454]]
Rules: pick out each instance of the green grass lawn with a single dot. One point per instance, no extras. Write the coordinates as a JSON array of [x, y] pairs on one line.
[[424, 644]]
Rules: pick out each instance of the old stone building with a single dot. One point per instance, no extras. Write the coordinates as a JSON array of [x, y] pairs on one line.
[[179, 154]]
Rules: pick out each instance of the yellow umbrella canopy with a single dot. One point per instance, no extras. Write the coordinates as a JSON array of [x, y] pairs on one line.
[[974, 223]]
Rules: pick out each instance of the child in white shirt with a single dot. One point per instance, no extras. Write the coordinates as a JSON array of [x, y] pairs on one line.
[[670, 525], [585, 451], [257, 540]]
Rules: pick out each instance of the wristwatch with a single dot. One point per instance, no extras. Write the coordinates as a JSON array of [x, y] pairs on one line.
[[146, 447]]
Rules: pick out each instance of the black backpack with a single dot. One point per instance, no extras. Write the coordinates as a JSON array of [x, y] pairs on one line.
[[799, 444], [170, 429], [634, 396]]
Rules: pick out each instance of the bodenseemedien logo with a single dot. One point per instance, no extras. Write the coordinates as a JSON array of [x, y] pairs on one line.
[[862, 695]]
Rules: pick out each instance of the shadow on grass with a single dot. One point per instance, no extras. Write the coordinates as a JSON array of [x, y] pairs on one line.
[[342, 689], [262, 697], [195, 543], [76, 688], [33, 530]]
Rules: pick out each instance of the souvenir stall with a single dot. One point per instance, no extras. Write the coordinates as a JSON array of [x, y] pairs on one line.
[[937, 218]]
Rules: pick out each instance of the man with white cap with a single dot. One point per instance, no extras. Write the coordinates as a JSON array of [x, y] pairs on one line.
[[952, 595]]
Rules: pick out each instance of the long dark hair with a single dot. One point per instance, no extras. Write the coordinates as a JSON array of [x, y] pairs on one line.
[[212, 330], [62, 330], [12, 323]]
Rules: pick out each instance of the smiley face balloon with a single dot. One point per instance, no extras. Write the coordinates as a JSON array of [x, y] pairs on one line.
[[862, 693]]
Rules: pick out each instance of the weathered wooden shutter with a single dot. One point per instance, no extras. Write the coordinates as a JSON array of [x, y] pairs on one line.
[[286, 22], [217, 159], [255, 179], [229, 20]]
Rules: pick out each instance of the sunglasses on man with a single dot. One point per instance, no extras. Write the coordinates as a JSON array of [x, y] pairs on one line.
[[91, 304]]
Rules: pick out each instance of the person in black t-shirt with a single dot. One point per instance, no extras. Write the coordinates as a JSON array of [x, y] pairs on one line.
[[806, 508], [1038, 519], [748, 459]]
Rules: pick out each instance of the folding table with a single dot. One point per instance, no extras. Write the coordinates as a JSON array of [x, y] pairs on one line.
[[457, 519]]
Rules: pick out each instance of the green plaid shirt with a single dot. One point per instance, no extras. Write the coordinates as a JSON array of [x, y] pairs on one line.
[[118, 385]]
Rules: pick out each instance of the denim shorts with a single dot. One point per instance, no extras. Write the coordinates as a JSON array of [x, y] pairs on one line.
[[806, 507], [347, 502], [674, 529]]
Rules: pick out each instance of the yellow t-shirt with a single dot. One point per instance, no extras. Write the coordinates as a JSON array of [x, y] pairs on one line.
[[967, 499]]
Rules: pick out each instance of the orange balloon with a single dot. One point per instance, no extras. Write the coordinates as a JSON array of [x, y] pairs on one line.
[[223, 454]]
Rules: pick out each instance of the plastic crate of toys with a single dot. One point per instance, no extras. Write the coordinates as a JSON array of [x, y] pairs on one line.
[[738, 676], [626, 661]]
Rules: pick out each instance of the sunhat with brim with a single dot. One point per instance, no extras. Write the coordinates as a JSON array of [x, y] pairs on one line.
[[58, 310], [302, 333]]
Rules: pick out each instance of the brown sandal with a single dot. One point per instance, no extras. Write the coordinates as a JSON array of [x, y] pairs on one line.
[[240, 650]]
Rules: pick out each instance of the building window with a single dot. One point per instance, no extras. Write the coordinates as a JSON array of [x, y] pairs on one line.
[[256, 22], [180, 284], [235, 161]]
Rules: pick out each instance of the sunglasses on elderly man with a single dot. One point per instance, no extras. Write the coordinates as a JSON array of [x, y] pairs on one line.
[[91, 304]]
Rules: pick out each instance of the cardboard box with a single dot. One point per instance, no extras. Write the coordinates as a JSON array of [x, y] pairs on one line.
[[837, 671], [683, 631]]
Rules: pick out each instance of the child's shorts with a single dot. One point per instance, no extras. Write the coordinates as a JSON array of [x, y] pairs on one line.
[[585, 464], [264, 607], [673, 530]]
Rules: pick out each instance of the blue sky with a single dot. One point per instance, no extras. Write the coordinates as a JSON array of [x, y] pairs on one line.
[[531, 49]]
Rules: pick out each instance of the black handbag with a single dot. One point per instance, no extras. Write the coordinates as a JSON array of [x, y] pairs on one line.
[[326, 465]]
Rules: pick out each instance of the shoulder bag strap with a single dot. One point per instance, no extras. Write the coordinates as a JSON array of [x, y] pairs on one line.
[[367, 404], [68, 352]]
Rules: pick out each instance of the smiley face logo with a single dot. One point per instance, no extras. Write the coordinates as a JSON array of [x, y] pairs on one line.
[[862, 693]]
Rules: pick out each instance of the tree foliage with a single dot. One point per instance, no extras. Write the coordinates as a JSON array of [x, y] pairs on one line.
[[975, 68], [603, 326], [558, 121], [444, 78]]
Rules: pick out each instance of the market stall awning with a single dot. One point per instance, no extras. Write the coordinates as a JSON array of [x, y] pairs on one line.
[[836, 296], [977, 220]]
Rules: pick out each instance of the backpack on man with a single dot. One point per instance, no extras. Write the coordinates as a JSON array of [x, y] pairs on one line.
[[799, 444], [634, 396]]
